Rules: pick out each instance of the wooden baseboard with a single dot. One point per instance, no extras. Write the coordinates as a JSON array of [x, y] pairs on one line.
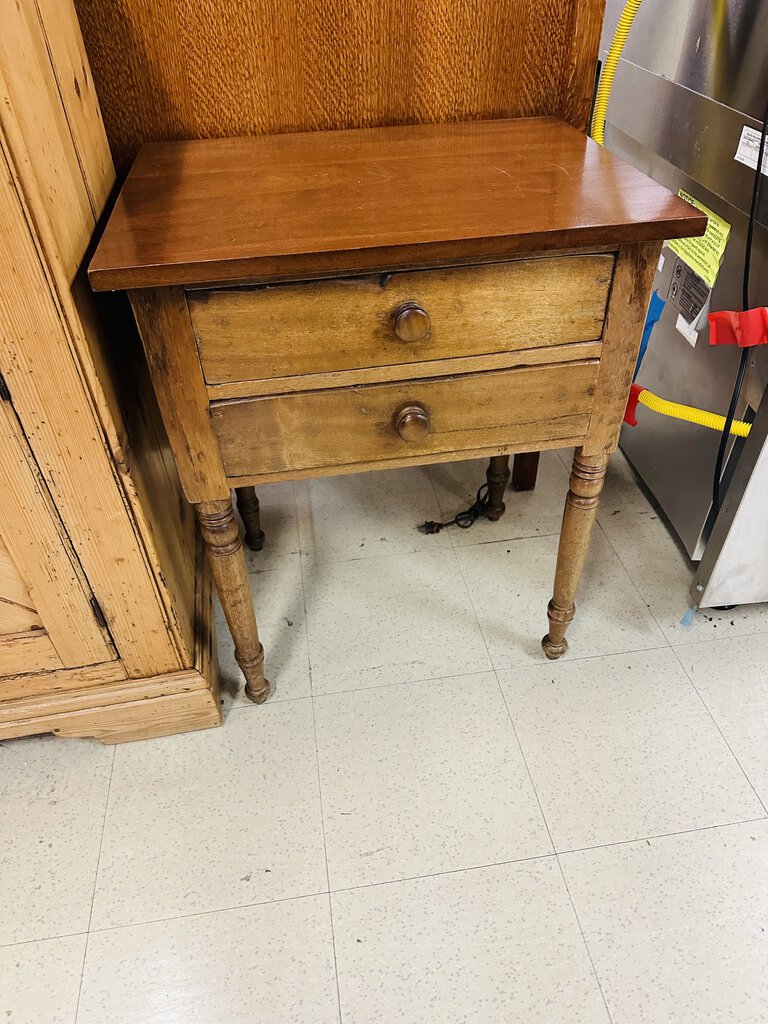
[[131, 709]]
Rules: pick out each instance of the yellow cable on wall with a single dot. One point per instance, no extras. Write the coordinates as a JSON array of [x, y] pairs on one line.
[[609, 69]]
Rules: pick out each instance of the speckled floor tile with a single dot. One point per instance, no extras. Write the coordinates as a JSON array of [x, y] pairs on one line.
[[270, 964], [620, 748], [489, 946], [623, 493], [40, 981], [367, 514], [279, 602], [677, 926], [53, 794], [278, 521], [389, 619], [510, 584], [660, 568], [732, 679], [421, 778], [213, 819], [529, 513]]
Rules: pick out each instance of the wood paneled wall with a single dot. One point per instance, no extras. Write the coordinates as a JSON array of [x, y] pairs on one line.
[[168, 69]]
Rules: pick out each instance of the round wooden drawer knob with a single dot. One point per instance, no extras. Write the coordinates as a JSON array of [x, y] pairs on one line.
[[412, 423], [410, 322]]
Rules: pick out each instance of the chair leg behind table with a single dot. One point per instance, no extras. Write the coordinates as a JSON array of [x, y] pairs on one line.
[[587, 479], [497, 476], [225, 553], [248, 507], [524, 471]]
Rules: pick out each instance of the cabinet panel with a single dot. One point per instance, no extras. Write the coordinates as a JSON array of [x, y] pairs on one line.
[[43, 590], [21, 653], [17, 613]]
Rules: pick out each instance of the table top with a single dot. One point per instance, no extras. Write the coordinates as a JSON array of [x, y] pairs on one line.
[[318, 203]]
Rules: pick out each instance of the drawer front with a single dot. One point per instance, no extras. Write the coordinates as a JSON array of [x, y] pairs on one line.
[[308, 431], [321, 326]]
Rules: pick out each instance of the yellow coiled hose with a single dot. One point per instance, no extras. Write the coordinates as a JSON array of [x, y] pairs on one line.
[[609, 69], [687, 412]]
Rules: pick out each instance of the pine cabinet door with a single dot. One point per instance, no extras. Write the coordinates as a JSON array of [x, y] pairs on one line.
[[49, 618]]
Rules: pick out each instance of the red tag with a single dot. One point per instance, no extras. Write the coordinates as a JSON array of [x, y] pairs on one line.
[[742, 329], [630, 415]]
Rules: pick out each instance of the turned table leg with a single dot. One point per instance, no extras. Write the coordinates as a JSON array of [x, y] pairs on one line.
[[248, 507], [524, 471], [225, 552], [587, 478], [497, 476]]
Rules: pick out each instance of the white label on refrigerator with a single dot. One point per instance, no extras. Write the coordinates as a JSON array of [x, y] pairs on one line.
[[749, 147]]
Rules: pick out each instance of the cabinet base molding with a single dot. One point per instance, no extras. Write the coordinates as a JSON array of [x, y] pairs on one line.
[[135, 709], [96, 702]]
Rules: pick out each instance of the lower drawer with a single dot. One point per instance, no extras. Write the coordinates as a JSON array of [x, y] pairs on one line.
[[417, 419]]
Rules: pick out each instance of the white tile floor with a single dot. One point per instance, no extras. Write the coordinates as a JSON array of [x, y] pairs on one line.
[[428, 822]]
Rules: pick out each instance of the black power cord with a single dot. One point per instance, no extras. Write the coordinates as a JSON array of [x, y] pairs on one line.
[[464, 519], [745, 304]]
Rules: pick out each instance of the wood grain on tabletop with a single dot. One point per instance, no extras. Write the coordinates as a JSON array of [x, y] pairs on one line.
[[170, 70], [229, 209]]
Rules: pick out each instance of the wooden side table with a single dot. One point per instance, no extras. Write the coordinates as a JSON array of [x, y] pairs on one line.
[[332, 302]]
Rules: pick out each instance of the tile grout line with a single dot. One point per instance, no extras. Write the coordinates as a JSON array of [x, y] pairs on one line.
[[95, 882], [599, 526], [522, 666], [474, 612], [720, 731], [46, 938], [667, 642], [206, 913], [556, 854], [317, 764], [443, 513], [535, 791], [541, 809], [325, 854], [396, 881], [584, 940], [662, 835], [631, 578]]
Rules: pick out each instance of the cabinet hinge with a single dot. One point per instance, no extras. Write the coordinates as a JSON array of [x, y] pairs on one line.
[[5, 393], [98, 614]]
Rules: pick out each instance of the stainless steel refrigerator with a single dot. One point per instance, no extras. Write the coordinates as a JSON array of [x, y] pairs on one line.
[[689, 97]]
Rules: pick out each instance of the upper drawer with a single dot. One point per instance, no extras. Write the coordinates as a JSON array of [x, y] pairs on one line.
[[320, 326]]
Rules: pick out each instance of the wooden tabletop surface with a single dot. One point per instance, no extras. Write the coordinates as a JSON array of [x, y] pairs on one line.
[[282, 206]]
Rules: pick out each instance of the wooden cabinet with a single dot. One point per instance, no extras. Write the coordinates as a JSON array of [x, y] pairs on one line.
[[105, 624]]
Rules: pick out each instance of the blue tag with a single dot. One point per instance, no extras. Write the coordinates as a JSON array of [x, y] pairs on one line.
[[655, 309]]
